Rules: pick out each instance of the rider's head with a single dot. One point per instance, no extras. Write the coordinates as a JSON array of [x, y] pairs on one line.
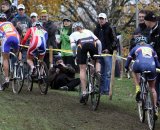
[[37, 24], [141, 40], [77, 26], [3, 17]]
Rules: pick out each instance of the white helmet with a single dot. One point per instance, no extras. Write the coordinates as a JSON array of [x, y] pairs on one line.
[[37, 23], [77, 24], [3, 16]]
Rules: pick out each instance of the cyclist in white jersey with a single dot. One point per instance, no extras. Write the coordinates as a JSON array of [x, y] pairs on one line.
[[84, 41]]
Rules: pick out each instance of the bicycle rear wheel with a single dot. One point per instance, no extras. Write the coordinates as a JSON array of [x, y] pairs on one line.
[[141, 111], [150, 113], [95, 94], [18, 80], [43, 80]]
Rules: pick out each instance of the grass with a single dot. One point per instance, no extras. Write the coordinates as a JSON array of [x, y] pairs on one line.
[[60, 110]]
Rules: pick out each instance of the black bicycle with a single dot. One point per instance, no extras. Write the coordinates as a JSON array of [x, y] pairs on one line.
[[40, 76], [93, 83], [145, 104]]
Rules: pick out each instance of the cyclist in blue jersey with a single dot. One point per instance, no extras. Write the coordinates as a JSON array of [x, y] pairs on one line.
[[145, 60]]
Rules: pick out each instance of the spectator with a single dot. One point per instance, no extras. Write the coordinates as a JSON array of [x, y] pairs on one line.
[[65, 32], [62, 76], [108, 39], [21, 20], [34, 17], [7, 8], [51, 29], [142, 28], [154, 38]]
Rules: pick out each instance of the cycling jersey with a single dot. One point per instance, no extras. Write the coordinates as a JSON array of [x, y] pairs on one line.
[[84, 35], [10, 38], [85, 41], [38, 38], [146, 60]]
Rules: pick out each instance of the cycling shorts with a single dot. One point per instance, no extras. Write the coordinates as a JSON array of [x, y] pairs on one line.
[[10, 42], [82, 51], [139, 68], [32, 50]]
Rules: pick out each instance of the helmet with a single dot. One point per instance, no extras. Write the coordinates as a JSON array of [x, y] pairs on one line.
[[77, 24], [140, 39], [3, 16], [38, 24], [66, 18]]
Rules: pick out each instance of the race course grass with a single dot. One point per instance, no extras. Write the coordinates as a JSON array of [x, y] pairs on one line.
[[61, 110]]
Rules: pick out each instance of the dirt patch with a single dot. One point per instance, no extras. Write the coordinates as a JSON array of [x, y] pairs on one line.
[[74, 115]]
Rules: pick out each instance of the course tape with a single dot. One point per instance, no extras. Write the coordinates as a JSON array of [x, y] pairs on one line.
[[101, 55], [61, 50]]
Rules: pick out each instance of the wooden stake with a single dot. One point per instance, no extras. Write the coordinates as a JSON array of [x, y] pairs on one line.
[[50, 56], [112, 74]]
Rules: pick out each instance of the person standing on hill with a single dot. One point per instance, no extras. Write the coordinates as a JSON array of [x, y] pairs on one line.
[[107, 36], [65, 32]]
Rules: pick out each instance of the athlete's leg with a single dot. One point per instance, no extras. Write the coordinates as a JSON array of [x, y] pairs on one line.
[[154, 93], [83, 77], [6, 65]]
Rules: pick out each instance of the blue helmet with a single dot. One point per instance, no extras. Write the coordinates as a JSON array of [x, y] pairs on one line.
[[140, 39]]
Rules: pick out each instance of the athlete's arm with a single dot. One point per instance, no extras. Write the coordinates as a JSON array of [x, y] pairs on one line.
[[28, 33]]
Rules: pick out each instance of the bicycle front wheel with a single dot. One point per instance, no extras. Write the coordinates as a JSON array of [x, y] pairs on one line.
[[43, 79], [18, 80], [95, 94]]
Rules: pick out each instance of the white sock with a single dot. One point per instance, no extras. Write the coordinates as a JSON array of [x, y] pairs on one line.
[[7, 79], [84, 92], [32, 68]]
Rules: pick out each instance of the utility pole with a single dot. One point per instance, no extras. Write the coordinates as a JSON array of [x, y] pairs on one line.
[[137, 10]]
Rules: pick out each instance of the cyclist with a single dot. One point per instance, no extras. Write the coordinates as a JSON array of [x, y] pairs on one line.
[[145, 60], [10, 39], [38, 37], [84, 41]]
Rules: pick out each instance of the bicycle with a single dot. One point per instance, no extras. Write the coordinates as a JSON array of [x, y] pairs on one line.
[[18, 75], [145, 104], [41, 76], [93, 84], [15, 73]]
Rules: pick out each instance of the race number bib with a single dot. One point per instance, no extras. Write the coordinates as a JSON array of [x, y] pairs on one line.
[[7, 28], [39, 33], [146, 51]]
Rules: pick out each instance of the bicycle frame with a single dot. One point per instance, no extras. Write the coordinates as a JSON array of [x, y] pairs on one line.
[[41, 75], [93, 83]]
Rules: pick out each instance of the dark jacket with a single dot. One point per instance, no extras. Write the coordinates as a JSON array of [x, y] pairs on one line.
[[51, 29], [154, 37], [9, 15], [107, 36], [24, 20], [141, 30], [65, 74]]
